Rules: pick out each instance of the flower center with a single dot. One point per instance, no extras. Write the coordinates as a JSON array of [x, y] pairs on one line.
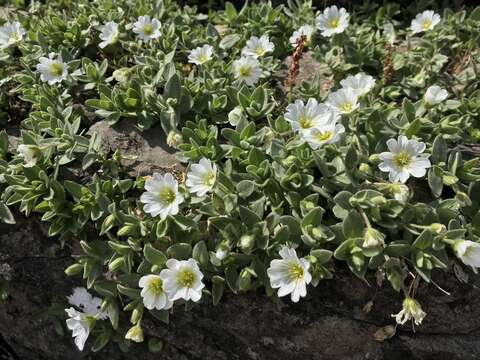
[[56, 69], [244, 71], [209, 178], [148, 29], [426, 25], [346, 107], [259, 51], [203, 58], [305, 122], [167, 195], [325, 136], [334, 23], [402, 159], [295, 271], [186, 278], [156, 286]]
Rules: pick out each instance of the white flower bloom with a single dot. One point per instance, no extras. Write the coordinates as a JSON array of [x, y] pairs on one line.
[[247, 70], [153, 293], [52, 70], [303, 117], [325, 134], [435, 95], [332, 21], [29, 153], [305, 30], [11, 33], [258, 47], [389, 32], [147, 29], [200, 55], [80, 325], [425, 21], [182, 280], [360, 83], [411, 310], [469, 252], [162, 196], [404, 159], [89, 305], [201, 177], [109, 34], [290, 274], [344, 101]]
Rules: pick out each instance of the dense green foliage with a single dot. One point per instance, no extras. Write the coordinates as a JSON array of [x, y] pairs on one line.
[[272, 189]]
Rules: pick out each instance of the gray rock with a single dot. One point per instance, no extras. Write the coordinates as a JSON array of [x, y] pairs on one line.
[[143, 153]]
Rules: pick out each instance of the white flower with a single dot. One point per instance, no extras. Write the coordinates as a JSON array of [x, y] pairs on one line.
[[344, 100], [425, 21], [201, 177], [303, 117], [469, 252], [147, 29], [258, 47], [360, 83], [89, 305], [200, 55], [305, 30], [332, 21], [411, 310], [135, 333], [404, 159], [52, 70], [29, 153], [153, 294], [11, 33], [108, 33], [162, 196], [80, 325], [222, 252], [290, 274], [247, 70], [435, 95], [182, 280], [389, 32], [326, 134]]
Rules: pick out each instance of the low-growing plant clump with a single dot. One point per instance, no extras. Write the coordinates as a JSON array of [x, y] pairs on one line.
[[371, 164]]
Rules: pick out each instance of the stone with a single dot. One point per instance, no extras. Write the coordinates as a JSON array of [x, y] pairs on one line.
[[143, 153]]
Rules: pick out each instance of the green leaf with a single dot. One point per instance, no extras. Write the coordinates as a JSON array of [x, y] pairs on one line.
[[200, 253], [218, 286], [180, 251], [173, 87], [154, 256], [5, 214], [353, 225]]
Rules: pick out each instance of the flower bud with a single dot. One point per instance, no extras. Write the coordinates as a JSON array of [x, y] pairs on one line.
[[365, 168], [411, 310], [437, 228], [373, 238], [247, 242], [174, 139], [121, 75], [135, 333], [74, 269], [116, 264]]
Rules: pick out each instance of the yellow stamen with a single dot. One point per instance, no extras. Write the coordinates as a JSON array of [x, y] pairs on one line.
[[334, 23], [156, 286], [148, 29], [426, 25], [56, 69], [325, 136], [346, 107], [402, 159], [305, 122], [186, 278], [167, 195], [244, 71], [295, 271]]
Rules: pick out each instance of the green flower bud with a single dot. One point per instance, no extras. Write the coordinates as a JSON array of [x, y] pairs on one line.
[[74, 269], [135, 333], [116, 264], [247, 242], [373, 238]]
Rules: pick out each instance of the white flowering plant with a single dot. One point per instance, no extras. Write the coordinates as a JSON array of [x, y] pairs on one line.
[[372, 164]]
